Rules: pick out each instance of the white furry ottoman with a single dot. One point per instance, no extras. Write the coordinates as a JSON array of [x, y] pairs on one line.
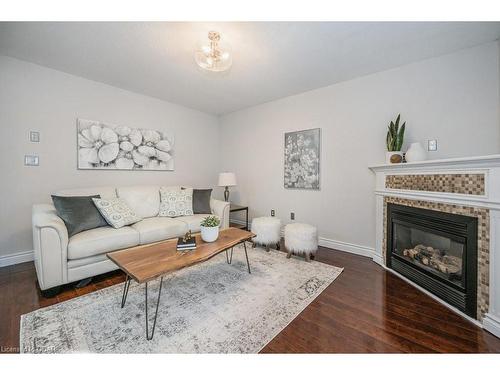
[[301, 239], [267, 230]]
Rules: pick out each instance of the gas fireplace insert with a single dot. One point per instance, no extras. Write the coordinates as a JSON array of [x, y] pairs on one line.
[[437, 251]]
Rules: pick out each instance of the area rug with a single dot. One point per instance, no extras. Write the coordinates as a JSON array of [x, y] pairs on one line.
[[212, 307]]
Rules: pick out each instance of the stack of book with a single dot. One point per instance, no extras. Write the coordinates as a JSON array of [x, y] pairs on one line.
[[186, 244]]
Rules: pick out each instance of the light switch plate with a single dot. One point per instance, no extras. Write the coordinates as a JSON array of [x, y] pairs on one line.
[[292, 215], [432, 145], [31, 160], [34, 136]]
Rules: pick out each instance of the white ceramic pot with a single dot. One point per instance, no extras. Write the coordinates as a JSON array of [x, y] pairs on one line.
[[390, 154], [416, 152], [209, 234]]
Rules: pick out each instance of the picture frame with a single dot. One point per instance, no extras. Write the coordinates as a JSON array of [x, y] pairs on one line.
[[101, 146], [302, 157]]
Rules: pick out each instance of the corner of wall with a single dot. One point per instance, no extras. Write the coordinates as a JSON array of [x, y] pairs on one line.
[[498, 85]]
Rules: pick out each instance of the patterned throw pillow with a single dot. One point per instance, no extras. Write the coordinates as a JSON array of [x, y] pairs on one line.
[[116, 212], [176, 202]]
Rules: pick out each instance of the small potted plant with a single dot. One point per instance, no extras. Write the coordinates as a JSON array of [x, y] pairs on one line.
[[209, 228], [394, 139]]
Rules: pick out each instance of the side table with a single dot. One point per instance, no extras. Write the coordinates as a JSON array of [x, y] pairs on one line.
[[235, 208]]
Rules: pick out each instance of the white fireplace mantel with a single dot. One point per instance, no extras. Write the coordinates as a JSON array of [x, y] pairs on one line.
[[489, 166], [463, 162]]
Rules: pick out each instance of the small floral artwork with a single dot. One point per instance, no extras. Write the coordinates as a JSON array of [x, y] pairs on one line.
[[302, 155], [102, 146]]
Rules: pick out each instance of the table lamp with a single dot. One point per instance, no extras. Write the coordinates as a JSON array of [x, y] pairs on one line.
[[227, 179]]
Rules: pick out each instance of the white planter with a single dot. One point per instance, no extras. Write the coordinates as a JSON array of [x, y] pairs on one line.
[[209, 234], [416, 152], [389, 154]]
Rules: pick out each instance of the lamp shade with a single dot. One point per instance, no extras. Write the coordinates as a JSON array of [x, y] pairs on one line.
[[227, 179]]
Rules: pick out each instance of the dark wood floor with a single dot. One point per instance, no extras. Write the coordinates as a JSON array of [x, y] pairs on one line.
[[365, 310]]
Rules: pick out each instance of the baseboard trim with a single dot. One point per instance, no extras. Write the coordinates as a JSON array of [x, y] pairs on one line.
[[347, 247], [491, 324], [378, 259], [21, 257]]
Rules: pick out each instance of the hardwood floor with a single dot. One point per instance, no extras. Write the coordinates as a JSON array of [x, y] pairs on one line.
[[366, 310]]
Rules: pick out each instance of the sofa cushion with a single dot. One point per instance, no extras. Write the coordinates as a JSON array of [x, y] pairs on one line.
[[106, 192], [193, 221], [159, 228], [101, 240], [143, 200]]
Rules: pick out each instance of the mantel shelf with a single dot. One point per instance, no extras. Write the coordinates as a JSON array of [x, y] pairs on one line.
[[463, 162]]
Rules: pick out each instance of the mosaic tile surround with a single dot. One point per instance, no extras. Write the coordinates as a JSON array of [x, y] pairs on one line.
[[460, 183], [483, 247]]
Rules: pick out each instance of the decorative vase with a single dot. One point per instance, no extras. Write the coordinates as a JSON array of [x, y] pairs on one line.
[[209, 234], [416, 152], [393, 157]]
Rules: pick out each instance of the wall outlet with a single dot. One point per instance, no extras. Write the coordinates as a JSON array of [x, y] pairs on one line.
[[292, 215], [432, 145], [31, 160], [34, 136], [273, 213]]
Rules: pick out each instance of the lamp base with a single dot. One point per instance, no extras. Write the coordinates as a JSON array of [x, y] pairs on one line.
[[226, 194]]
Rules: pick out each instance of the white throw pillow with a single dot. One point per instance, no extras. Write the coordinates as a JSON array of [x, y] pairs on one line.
[[176, 202], [116, 212]]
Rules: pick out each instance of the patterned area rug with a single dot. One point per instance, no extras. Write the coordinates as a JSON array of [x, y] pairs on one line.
[[212, 307]]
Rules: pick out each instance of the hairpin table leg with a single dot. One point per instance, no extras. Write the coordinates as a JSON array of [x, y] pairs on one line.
[[229, 258], [246, 255], [156, 312], [125, 290]]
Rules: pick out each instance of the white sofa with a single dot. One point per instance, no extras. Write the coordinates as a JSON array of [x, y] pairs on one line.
[[60, 260]]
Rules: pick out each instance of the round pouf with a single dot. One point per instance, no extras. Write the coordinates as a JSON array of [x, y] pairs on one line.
[[301, 239], [267, 230]]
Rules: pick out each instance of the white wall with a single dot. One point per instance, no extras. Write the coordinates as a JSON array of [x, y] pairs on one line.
[[36, 98], [453, 98]]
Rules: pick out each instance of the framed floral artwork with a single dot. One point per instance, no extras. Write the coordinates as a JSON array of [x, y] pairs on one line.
[[302, 157], [104, 146]]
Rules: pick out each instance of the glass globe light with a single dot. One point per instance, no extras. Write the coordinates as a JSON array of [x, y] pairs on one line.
[[214, 56]]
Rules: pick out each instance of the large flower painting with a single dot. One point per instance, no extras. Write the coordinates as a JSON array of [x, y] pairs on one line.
[[302, 155], [102, 146]]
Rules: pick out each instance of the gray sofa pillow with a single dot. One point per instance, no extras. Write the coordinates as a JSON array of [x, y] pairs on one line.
[[201, 201], [78, 213]]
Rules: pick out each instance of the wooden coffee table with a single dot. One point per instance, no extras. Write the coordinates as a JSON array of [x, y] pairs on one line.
[[148, 262]]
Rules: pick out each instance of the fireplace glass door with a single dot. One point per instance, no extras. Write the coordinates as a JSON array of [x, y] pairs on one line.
[[436, 253]]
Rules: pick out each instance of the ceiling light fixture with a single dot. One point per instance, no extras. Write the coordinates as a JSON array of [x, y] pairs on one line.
[[214, 56]]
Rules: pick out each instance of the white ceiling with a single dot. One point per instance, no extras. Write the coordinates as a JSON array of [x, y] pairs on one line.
[[270, 59]]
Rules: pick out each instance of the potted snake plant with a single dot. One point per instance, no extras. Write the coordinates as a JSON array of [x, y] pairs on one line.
[[394, 140], [209, 228]]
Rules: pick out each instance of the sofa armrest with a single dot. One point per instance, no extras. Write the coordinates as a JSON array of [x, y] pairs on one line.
[[221, 209], [50, 240]]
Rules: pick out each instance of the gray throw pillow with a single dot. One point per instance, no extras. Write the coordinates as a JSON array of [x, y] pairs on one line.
[[201, 201], [78, 213]]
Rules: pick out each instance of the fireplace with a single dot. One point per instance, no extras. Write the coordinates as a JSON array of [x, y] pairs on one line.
[[437, 251]]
